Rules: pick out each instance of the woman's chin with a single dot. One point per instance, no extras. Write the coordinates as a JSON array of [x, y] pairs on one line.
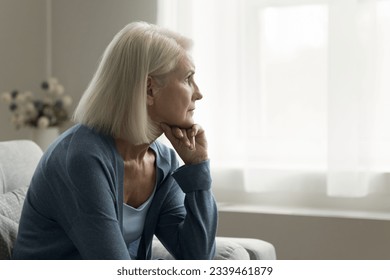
[[190, 122], [186, 124]]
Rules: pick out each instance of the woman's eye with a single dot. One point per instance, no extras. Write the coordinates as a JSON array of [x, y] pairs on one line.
[[189, 79]]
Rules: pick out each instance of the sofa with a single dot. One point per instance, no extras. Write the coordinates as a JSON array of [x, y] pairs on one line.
[[18, 160]]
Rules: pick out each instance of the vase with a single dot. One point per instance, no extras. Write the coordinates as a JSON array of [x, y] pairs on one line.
[[44, 136]]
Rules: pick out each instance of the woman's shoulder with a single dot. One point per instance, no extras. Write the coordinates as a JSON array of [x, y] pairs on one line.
[[79, 142], [80, 136]]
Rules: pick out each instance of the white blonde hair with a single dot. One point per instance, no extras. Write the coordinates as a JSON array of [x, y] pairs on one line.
[[115, 101]]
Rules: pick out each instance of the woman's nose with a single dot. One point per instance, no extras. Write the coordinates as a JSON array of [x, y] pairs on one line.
[[197, 94]]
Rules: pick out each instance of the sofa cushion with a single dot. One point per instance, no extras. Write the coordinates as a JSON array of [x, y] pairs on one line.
[[11, 203], [8, 232], [256, 248], [18, 160], [225, 250], [229, 250]]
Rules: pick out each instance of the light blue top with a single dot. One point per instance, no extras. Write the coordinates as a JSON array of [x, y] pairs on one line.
[[134, 220], [133, 224]]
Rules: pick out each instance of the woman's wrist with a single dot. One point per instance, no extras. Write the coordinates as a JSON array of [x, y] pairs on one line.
[[196, 160]]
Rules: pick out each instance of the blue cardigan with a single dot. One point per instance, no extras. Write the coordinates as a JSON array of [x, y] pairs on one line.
[[74, 205]]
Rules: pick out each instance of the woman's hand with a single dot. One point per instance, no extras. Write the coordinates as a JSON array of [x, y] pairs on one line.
[[190, 144]]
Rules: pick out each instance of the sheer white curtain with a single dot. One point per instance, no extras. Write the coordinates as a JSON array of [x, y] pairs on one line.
[[296, 92]]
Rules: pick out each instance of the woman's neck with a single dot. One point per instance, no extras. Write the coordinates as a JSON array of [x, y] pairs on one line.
[[131, 152]]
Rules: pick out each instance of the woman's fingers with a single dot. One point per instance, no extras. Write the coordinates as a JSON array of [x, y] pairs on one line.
[[185, 139], [176, 134], [192, 132], [190, 144]]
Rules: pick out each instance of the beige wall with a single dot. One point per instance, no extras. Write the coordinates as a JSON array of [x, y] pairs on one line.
[[298, 237], [22, 53], [81, 29]]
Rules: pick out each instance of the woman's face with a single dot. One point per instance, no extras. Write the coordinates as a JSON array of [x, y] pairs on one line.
[[174, 104]]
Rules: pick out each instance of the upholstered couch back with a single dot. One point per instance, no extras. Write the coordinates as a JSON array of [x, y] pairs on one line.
[[18, 160]]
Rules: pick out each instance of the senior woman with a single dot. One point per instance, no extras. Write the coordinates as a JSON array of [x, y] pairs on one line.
[[105, 187]]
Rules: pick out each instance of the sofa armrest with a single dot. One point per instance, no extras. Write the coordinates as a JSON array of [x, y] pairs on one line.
[[228, 248], [256, 248]]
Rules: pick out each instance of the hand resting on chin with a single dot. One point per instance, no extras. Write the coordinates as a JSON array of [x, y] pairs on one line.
[[190, 144]]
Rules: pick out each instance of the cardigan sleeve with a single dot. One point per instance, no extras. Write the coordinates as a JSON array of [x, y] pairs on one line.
[[90, 209], [188, 220]]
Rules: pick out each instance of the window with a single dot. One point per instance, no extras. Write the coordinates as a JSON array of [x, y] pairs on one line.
[[291, 85], [296, 91]]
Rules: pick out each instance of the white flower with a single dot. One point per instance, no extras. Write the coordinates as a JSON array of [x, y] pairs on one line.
[[6, 97], [58, 90], [28, 94], [30, 108], [20, 98], [43, 122], [53, 83], [67, 100]]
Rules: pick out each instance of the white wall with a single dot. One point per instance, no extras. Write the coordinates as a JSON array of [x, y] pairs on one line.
[[22, 53], [81, 29]]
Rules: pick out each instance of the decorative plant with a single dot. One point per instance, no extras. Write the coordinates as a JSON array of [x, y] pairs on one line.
[[51, 109]]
